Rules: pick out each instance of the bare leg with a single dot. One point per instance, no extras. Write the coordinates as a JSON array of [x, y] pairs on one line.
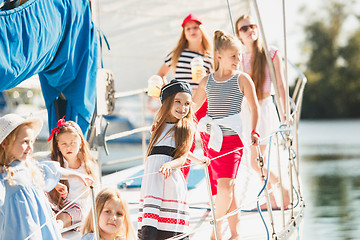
[[234, 221], [223, 202]]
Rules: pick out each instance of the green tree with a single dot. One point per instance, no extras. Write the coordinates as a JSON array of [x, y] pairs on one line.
[[333, 70]]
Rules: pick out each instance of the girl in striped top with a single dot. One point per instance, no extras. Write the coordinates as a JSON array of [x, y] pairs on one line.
[[225, 89], [254, 63], [192, 43], [163, 211]]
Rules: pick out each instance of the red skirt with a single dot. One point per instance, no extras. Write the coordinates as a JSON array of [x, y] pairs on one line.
[[226, 166]]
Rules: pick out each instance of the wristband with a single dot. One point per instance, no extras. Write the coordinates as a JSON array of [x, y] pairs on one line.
[[256, 133]]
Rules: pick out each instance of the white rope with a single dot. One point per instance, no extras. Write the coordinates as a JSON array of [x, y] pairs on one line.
[[193, 164]]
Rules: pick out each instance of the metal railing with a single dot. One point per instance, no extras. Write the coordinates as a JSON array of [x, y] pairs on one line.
[[290, 140], [102, 138]]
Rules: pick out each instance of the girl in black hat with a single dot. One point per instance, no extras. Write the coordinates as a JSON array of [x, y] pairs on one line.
[[163, 211]]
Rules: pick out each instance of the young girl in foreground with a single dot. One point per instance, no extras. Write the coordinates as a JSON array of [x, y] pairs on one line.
[[70, 149], [23, 204], [254, 63], [163, 211], [113, 217], [225, 89]]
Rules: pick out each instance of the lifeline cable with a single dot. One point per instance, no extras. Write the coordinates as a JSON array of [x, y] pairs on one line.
[[219, 219], [39, 228]]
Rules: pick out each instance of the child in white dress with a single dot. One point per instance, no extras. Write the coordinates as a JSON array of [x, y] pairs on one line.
[[71, 150], [163, 211]]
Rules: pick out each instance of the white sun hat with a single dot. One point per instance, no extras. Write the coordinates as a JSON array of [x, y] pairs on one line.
[[11, 121]]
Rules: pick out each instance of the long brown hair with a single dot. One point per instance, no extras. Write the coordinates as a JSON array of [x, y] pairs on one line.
[[184, 129], [84, 155], [183, 44], [105, 195], [258, 60]]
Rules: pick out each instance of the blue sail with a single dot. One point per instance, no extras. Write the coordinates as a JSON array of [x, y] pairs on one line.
[[57, 40]]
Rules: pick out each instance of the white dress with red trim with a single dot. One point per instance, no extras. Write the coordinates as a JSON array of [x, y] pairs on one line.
[[163, 210]]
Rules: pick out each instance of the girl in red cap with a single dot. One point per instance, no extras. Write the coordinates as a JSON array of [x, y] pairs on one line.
[[192, 44], [248, 34], [225, 89]]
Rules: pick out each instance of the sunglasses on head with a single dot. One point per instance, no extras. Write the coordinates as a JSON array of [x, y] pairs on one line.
[[246, 27]]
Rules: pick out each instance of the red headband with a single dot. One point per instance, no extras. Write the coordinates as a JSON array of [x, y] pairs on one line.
[[60, 124]]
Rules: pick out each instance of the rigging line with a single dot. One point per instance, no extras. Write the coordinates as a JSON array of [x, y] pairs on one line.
[[237, 210], [287, 107], [190, 165], [54, 217], [267, 179], [270, 64], [268, 162], [193, 164], [231, 20]]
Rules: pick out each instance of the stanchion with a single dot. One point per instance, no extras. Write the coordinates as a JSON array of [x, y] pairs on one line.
[[211, 201], [95, 217]]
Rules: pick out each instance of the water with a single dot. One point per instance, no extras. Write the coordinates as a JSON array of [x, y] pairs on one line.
[[330, 163]]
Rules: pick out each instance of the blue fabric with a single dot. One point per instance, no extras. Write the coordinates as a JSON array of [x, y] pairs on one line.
[[57, 40], [89, 236], [24, 206]]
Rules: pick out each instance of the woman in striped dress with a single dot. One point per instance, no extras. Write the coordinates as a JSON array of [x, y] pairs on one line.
[[225, 89], [192, 43], [163, 210]]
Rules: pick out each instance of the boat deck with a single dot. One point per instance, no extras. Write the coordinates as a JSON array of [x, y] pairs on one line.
[[251, 224]]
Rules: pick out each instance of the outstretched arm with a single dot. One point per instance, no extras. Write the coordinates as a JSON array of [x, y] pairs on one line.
[[166, 168], [202, 160]]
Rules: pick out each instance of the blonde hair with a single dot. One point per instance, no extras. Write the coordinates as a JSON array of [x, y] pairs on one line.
[[258, 60], [105, 195], [222, 42], [6, 158], [183, 44], [84, 155], [184, 129]]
